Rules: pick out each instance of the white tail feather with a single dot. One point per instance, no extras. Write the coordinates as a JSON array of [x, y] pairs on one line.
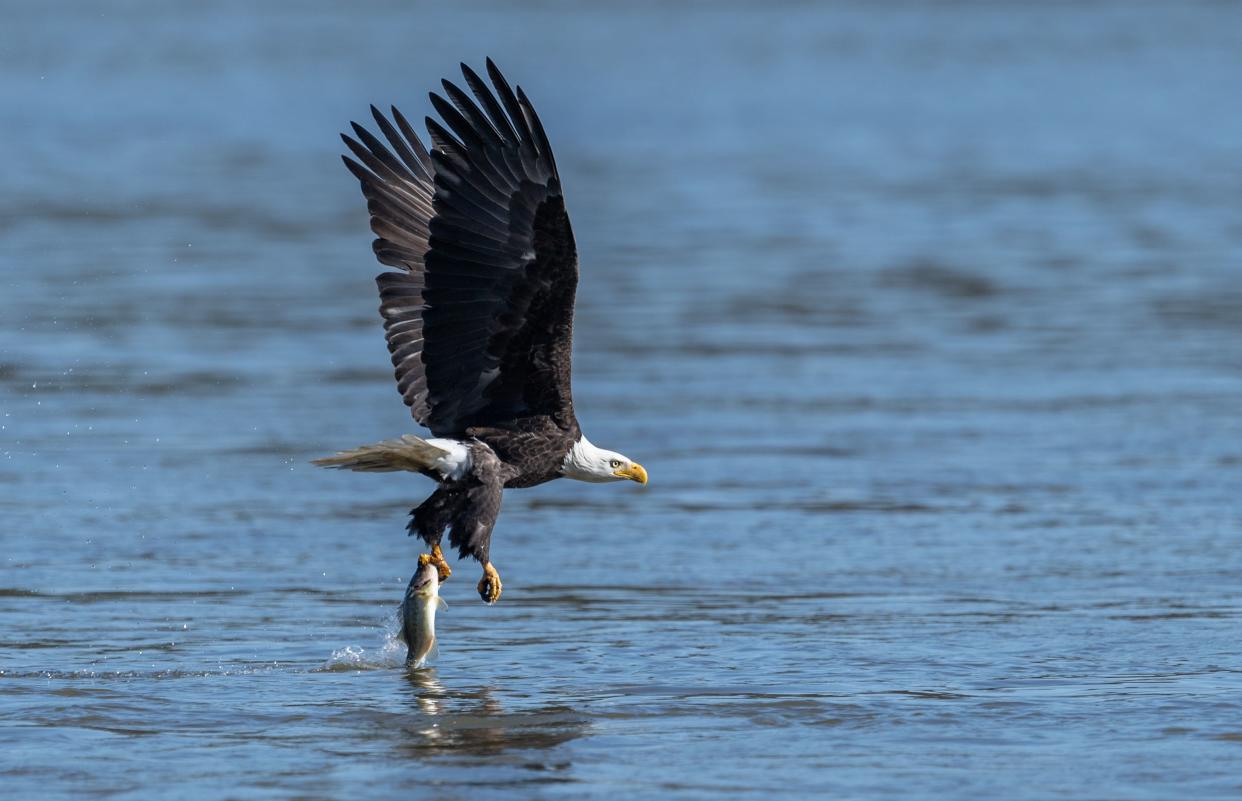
[[407, 453]]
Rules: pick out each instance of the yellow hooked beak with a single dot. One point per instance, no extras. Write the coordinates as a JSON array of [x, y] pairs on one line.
[[634, 472]]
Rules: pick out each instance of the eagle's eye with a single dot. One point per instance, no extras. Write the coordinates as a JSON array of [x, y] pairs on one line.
[[614, 464]]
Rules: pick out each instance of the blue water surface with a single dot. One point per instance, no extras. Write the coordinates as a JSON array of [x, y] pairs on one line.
[[925, 319]]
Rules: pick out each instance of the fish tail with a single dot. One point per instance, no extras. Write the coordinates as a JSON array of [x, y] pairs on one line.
[[414, 662]]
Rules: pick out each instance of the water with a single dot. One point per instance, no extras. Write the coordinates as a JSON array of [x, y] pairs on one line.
[[925, 320]]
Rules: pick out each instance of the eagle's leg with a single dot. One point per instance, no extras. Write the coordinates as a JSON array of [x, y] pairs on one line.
[[437, 559], [471, 529], [489, 585], [430, 519]]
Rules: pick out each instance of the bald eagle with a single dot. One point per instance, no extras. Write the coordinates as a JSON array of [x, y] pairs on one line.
[[478, 314]]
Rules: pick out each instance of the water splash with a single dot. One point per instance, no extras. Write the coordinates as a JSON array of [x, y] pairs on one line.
[[389, 654]]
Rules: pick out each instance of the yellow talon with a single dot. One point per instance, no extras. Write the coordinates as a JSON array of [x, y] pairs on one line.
[[437, 559], [489, 585]]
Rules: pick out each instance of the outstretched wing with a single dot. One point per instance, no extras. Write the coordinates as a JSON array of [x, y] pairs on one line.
[[480, 320], [399, 196]]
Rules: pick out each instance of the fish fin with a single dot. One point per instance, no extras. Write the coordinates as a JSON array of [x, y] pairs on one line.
[[441, 603], [400, 624]]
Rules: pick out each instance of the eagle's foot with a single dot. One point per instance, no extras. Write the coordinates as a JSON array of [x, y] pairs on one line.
[[489, 585], [437, 558]]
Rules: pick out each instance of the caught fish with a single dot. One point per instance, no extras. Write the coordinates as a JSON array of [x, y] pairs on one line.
[[418, 612]]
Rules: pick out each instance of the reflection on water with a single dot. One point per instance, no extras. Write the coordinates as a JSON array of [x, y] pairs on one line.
[[475, 722], [923, 316]]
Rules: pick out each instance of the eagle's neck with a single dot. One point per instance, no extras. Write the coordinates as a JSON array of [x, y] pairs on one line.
[[585, 462]]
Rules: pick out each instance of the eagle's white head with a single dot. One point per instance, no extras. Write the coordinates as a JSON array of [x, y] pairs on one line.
[[585, 462]]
